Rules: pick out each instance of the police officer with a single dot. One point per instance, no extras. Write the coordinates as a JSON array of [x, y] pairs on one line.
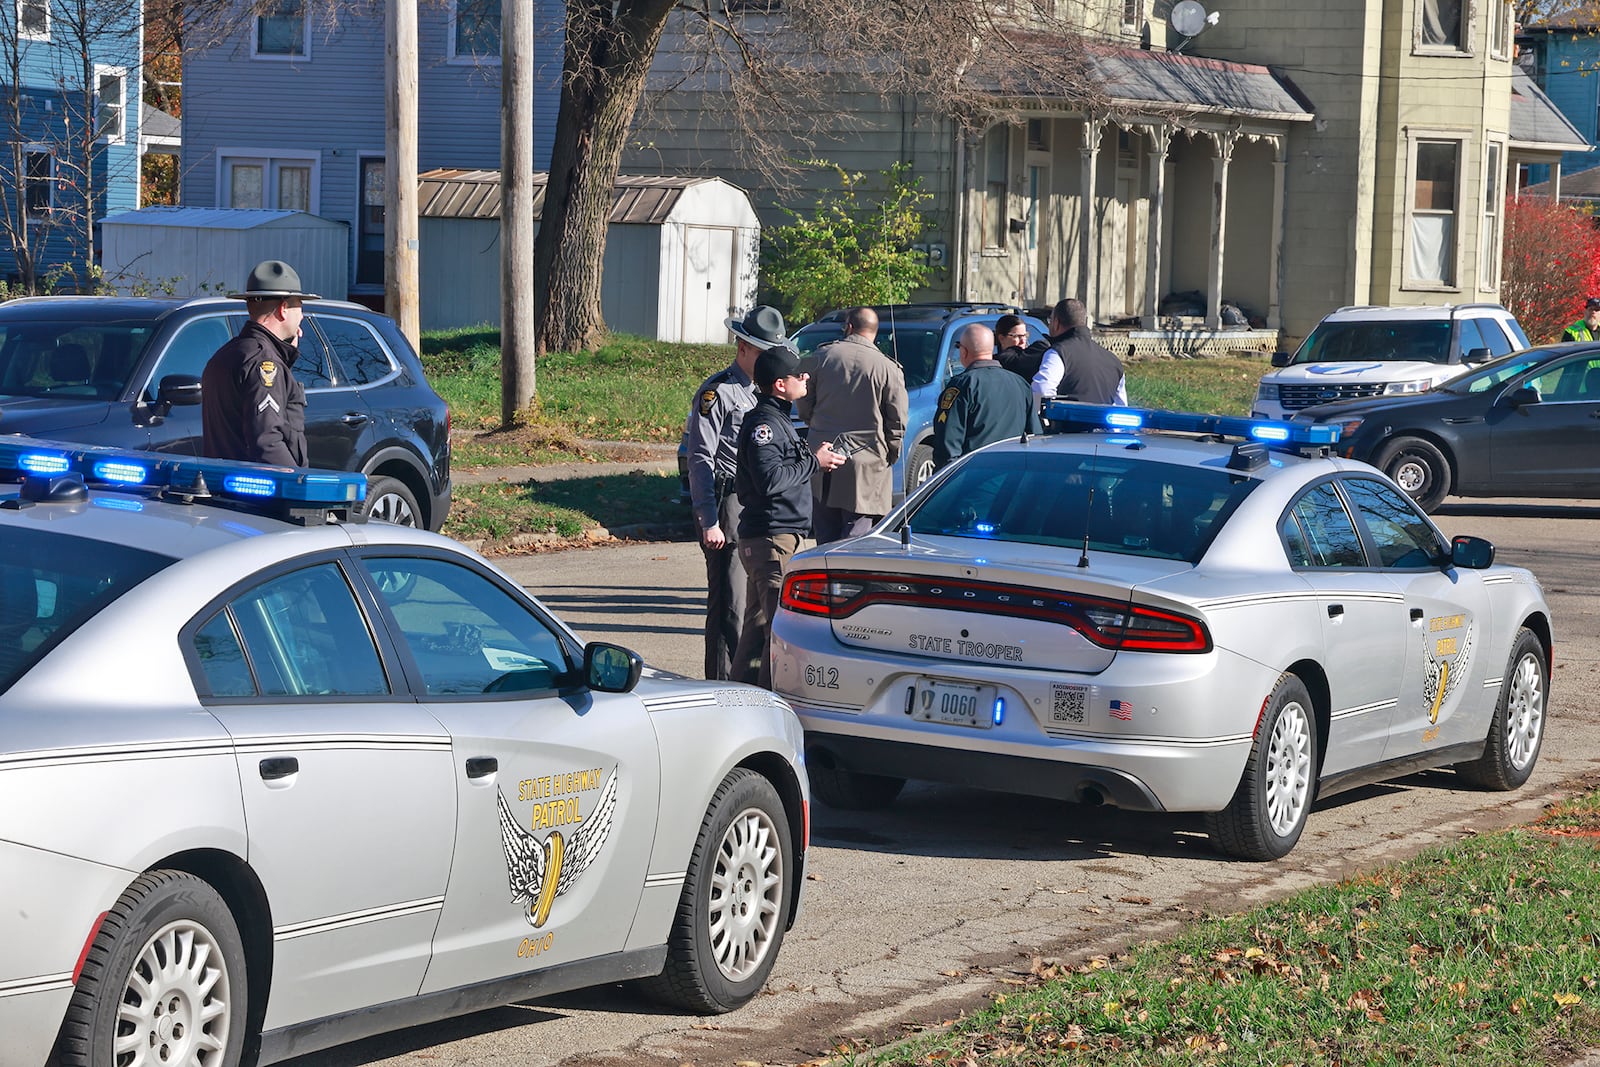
[[982, 404], [252, 408], [772, 476], [1076, 365], [710, 441]]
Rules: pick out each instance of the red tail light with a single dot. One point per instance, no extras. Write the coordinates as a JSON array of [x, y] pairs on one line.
[[1108, 623]]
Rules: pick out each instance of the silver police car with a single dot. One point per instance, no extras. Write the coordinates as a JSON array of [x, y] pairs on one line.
[[270, 782], [1162, 622]]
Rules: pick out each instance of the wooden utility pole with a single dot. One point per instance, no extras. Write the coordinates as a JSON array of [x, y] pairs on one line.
[[517, 321], [400, 287]]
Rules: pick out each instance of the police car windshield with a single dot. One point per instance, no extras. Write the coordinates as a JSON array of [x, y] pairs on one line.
[[1126, 506], [50, 584], [69, 359], [1355, 341], [914, 345]]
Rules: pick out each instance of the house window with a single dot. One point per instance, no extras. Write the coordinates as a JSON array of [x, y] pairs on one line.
[[1489, 253], [1038, 136], [1442, 25], [282, 29], [286, 182], [33, 19], [996, 163], [111, 95], [1500, 16], [475, 30], [1132, 15], [1433, 212], [39, 183]]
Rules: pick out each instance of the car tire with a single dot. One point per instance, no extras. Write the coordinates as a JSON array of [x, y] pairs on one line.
[[1269, 809], [391, 500], [736, 900], [164, 979], [852, 790], [919, 467], [1418, 467], [1517, 730]]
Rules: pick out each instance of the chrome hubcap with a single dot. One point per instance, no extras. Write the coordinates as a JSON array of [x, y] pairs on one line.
[[174, 1010], [1524, 712], [746, 894], [1288, 769]]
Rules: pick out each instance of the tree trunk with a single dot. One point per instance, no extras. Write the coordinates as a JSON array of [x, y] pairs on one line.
[[608, 55]]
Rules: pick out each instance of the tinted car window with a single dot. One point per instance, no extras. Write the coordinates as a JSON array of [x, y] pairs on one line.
[[915, 346], [1401, 535], [1493, 374], [1494, 336], [1337, 342], [50, 584], [312, 368], [1568, 380], [1470, 337], [194, 343], [1324, 533], [1132, 508], [360, 355], [305, 636], [221, 659], [466, 633], [69, 359]]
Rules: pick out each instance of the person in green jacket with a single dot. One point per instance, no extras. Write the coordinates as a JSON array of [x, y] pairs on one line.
[[1585, 328]]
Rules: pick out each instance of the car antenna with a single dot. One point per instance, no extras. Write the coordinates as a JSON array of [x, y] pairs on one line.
[[905, 536], [1083, 560]]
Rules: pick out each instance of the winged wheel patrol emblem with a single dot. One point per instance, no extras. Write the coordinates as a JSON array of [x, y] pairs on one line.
[[540, 871]]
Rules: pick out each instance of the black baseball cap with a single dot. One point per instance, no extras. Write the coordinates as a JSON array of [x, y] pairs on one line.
[[1592, 304], [780, 361]]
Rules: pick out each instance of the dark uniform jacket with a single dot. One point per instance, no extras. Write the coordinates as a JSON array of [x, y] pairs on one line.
[[983, 404], [711, 438], [252, 408], [773, 474], [1078, 366], [1023, 361]]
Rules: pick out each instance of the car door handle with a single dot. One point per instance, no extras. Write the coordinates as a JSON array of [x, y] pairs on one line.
[[1335, 611], [353, 418], [279, 767], [1416, 614], [482, 766]]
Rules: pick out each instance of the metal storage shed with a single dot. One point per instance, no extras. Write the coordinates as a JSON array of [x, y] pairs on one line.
[[199, 251], [680, 257]]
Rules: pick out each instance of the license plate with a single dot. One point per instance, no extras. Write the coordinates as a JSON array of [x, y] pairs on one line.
[[952, 703]]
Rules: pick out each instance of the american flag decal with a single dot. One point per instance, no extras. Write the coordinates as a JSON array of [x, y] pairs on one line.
[[1121, 709]]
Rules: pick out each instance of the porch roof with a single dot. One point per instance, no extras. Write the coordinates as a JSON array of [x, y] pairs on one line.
[[1536, 123], [475, 194]]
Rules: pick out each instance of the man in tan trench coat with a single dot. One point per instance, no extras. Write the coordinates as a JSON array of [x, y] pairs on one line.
[[857, 401]]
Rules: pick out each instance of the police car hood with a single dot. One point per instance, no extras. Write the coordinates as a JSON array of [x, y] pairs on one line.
[[40, 416], [972, 600], [1365, 370]]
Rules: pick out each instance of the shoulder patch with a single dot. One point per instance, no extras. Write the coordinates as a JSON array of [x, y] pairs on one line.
[[269, 373], [707, 398], [762, 435], [948, 397]]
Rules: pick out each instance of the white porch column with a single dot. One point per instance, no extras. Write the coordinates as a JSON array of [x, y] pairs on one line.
[[1224, 142], [1280, 162], [1555, 181], [1161, 144], [1088, 232]]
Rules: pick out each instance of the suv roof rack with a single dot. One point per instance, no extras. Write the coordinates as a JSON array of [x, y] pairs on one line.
[[1068, 415], [294, 494]]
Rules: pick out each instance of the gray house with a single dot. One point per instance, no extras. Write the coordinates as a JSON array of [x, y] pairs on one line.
[[319, 147]]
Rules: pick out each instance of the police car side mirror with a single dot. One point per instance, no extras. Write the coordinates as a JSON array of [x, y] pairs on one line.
[[1471, 553], [179, 389], [610, 668], [1281, 359]]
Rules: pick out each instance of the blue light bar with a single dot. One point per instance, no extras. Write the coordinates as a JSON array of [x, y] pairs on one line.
[[1106, 417], [125, 468]]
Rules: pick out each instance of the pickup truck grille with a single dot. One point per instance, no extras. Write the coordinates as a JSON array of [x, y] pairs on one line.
[[1295, 397]]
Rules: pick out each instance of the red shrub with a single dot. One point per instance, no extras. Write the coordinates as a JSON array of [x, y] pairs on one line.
[[1550, 265]]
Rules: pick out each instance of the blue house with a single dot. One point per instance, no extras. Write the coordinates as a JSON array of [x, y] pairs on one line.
[[77, 123], [1562, 54], [289, 112]]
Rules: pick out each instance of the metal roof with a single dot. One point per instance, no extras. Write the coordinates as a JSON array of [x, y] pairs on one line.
[[1536, 122], [475, 194], [210, 218]]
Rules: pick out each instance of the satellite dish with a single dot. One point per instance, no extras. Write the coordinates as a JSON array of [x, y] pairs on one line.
[[1188, 17]]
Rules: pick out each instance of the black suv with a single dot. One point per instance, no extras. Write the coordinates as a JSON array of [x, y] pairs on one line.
[[125, 371]]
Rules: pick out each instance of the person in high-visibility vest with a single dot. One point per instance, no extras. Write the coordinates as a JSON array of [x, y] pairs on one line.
[[1585, 328]]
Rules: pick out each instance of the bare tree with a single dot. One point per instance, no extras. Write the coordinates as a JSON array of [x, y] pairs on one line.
[[771, 63]]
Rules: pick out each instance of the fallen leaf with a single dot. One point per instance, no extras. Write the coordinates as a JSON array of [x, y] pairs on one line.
[[1132, 899]]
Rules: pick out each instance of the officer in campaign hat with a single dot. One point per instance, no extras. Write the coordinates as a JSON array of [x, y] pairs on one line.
[[252, 408]]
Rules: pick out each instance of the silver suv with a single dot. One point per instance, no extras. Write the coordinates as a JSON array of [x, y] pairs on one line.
[[1385, 351]]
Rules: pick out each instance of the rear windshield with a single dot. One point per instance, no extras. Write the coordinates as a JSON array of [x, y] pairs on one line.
[[915, 346], [69, 358], [1125, 506], [50, 584], [1343, 342]]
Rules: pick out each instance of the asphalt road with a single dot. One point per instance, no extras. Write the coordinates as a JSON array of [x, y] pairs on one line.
[[914, 913]]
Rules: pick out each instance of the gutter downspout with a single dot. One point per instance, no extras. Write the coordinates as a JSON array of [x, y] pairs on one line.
[[958, 243]]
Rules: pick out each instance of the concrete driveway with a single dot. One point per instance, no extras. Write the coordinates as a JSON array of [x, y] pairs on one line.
[[915, 913]]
